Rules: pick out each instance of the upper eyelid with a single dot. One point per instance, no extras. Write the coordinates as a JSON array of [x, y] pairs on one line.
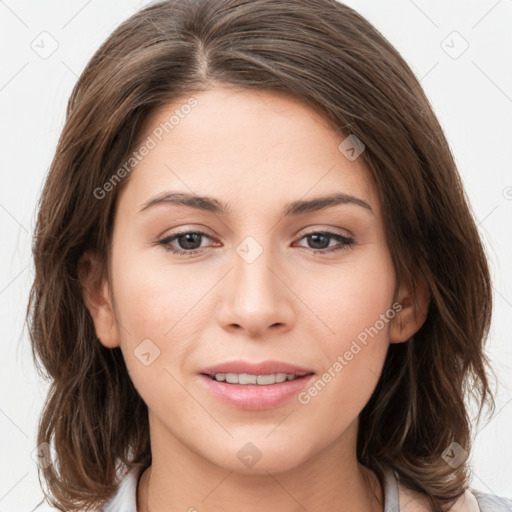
[[302, 233], [328, 231]]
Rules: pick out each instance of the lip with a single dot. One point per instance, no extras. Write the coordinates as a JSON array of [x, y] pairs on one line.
[[253, 396], [262, 368]]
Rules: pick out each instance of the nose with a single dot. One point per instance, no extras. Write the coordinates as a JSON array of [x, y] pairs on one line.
[[257, 296]]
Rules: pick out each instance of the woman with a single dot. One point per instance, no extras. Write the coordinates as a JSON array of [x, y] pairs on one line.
[[258, 281]]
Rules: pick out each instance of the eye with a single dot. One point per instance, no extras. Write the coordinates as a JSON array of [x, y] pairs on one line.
[[188, 239], [190, 242], [321, 239]]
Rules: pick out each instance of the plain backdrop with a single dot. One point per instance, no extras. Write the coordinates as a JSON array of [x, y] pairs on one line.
[[460, 50]]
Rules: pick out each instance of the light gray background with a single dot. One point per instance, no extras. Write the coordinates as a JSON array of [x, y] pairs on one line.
[[471, 94]]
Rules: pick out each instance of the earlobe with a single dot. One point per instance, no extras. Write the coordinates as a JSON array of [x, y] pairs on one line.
[[413, 313], [97, 298]]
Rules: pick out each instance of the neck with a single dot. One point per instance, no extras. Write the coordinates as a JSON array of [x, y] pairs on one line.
[[179, 479]]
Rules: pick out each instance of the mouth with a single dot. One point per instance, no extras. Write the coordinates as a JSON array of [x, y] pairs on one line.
[[262, 373], [255, 386], [245, 379]]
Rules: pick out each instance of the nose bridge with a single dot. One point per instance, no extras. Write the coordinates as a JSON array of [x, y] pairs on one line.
[[257, 296], [253, 280]]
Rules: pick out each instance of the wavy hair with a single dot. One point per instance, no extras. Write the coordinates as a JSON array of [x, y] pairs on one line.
[[331, 58]]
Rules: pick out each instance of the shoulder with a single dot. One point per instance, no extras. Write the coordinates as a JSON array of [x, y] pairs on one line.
[[478, 501], [125, 498], [472, 500], [491, 502]]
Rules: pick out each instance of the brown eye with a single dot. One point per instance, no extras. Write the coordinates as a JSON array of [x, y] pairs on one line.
[[187, 240], [319, 241]]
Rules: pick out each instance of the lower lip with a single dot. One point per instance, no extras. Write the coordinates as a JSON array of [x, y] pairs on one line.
[[253, 396]]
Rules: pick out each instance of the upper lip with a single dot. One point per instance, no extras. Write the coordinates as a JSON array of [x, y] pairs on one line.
[[262, 368]]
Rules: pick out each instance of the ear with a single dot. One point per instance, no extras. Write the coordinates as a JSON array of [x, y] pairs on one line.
[[413, 313], [97, 298]]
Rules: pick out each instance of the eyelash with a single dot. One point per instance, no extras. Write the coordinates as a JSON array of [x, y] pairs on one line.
[[347, 242]]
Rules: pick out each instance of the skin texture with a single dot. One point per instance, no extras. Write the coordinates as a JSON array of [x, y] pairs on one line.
[[255, 150]]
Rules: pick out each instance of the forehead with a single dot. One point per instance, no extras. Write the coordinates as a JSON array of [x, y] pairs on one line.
[[253, 148]]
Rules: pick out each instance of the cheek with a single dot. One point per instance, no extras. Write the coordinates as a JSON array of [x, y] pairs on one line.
[[151, 295], [358, 313], [352, 364], [351, 296], [154, 333], [141, 307], [148, 314], [161, 310]]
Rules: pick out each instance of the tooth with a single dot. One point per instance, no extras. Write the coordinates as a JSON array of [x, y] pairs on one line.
[[232, 378], [266, 379], [245, 378]]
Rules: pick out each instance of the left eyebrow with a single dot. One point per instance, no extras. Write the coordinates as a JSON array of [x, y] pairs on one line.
[[213, 205]]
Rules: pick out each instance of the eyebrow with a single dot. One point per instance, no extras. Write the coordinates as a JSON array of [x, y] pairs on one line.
[[212, 205]]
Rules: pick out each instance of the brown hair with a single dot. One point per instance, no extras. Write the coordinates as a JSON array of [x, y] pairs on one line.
[[331, 58]]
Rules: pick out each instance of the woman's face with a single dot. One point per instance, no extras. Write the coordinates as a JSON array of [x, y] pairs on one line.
[[252, 289]]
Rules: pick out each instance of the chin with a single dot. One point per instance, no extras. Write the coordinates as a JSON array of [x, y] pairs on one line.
[[260, 456]]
